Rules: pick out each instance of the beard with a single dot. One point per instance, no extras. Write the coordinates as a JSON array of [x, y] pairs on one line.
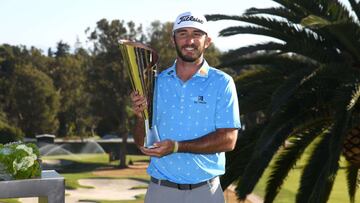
[[197, 53]]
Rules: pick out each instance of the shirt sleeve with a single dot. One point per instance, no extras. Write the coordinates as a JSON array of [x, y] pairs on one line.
[[227, 106]]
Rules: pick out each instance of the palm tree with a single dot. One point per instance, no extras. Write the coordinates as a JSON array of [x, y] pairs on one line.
[[304, 88]]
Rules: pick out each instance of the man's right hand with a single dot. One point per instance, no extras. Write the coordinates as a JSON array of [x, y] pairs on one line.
[[139, 103]]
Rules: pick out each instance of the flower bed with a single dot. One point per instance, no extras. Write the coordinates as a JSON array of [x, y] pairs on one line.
[[19, 161]]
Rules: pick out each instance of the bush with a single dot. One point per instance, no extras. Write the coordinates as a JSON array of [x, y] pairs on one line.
[[19, 161], [10, 134]]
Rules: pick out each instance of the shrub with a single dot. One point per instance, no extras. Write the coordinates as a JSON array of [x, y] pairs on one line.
[[19, 161], [9, 133]]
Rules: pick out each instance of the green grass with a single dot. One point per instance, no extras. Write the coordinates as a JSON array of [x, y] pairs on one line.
[[288, 192], [96, 158], [81, 158], [9, 201]]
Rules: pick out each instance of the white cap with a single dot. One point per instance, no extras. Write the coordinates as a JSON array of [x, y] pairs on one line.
[[190, 19]]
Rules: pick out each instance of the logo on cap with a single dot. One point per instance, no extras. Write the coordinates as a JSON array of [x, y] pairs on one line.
[[190, 18]]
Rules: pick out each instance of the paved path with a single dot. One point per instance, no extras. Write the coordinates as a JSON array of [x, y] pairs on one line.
[[119, 189], [103, 189]]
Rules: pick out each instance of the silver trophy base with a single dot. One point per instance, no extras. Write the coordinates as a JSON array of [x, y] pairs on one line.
[[151, 137]]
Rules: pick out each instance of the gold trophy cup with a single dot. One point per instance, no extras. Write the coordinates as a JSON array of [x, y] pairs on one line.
[[141, 64]]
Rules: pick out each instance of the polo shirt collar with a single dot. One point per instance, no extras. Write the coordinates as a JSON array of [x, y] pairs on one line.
[[202, 72]]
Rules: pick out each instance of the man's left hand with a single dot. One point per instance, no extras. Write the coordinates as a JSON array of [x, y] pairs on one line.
[[160, 149]]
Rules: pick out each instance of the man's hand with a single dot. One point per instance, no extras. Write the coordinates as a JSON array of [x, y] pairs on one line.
[[139, 103], [160, 149]]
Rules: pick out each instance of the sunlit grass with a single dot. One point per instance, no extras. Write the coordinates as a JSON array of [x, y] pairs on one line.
[[100, 158], [9, 200], [289, 189]]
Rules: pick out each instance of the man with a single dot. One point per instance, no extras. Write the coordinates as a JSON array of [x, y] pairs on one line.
[[197, 116]]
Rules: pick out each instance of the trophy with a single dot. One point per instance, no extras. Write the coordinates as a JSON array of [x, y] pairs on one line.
[[141, 64]]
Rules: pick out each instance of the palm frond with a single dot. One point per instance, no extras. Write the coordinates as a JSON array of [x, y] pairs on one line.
[[278, 11], [296, 39], [280, 125], [330, 10], [240, 62], [355, 6], [293, 6], [269, 46], [313, 174], [216, 17], [263, 152], [255, 87], [269, 60], [237, 159], [287, 89], [287, 159], [352, 175], [347, 33], [354, 97], [319, 175], [276, 131], [313, 21], [234, 30]]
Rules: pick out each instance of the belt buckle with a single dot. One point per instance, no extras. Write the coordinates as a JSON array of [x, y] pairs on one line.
[[184, 186]]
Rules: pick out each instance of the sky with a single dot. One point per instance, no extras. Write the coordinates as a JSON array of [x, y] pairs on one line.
[[43, 23]]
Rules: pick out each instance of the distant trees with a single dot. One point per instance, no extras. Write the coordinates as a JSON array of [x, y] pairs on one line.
[[27, 94], [69, 75], [34, 101]]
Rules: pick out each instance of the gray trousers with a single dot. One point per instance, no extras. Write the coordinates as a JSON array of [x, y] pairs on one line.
[[208, 193]]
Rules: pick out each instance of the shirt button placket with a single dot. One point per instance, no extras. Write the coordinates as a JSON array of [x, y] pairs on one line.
[[182, 98]]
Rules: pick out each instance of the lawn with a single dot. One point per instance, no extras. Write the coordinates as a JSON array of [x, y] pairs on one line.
[[288, 192]]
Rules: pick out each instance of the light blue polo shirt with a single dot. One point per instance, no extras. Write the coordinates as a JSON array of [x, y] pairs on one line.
[[189, 110]]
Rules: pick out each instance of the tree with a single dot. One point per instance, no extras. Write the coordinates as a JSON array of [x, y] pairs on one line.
[[68, 72], [33, 102], [26, 93], [7, 132], [108, 78], [314, 102], [63, 49]]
